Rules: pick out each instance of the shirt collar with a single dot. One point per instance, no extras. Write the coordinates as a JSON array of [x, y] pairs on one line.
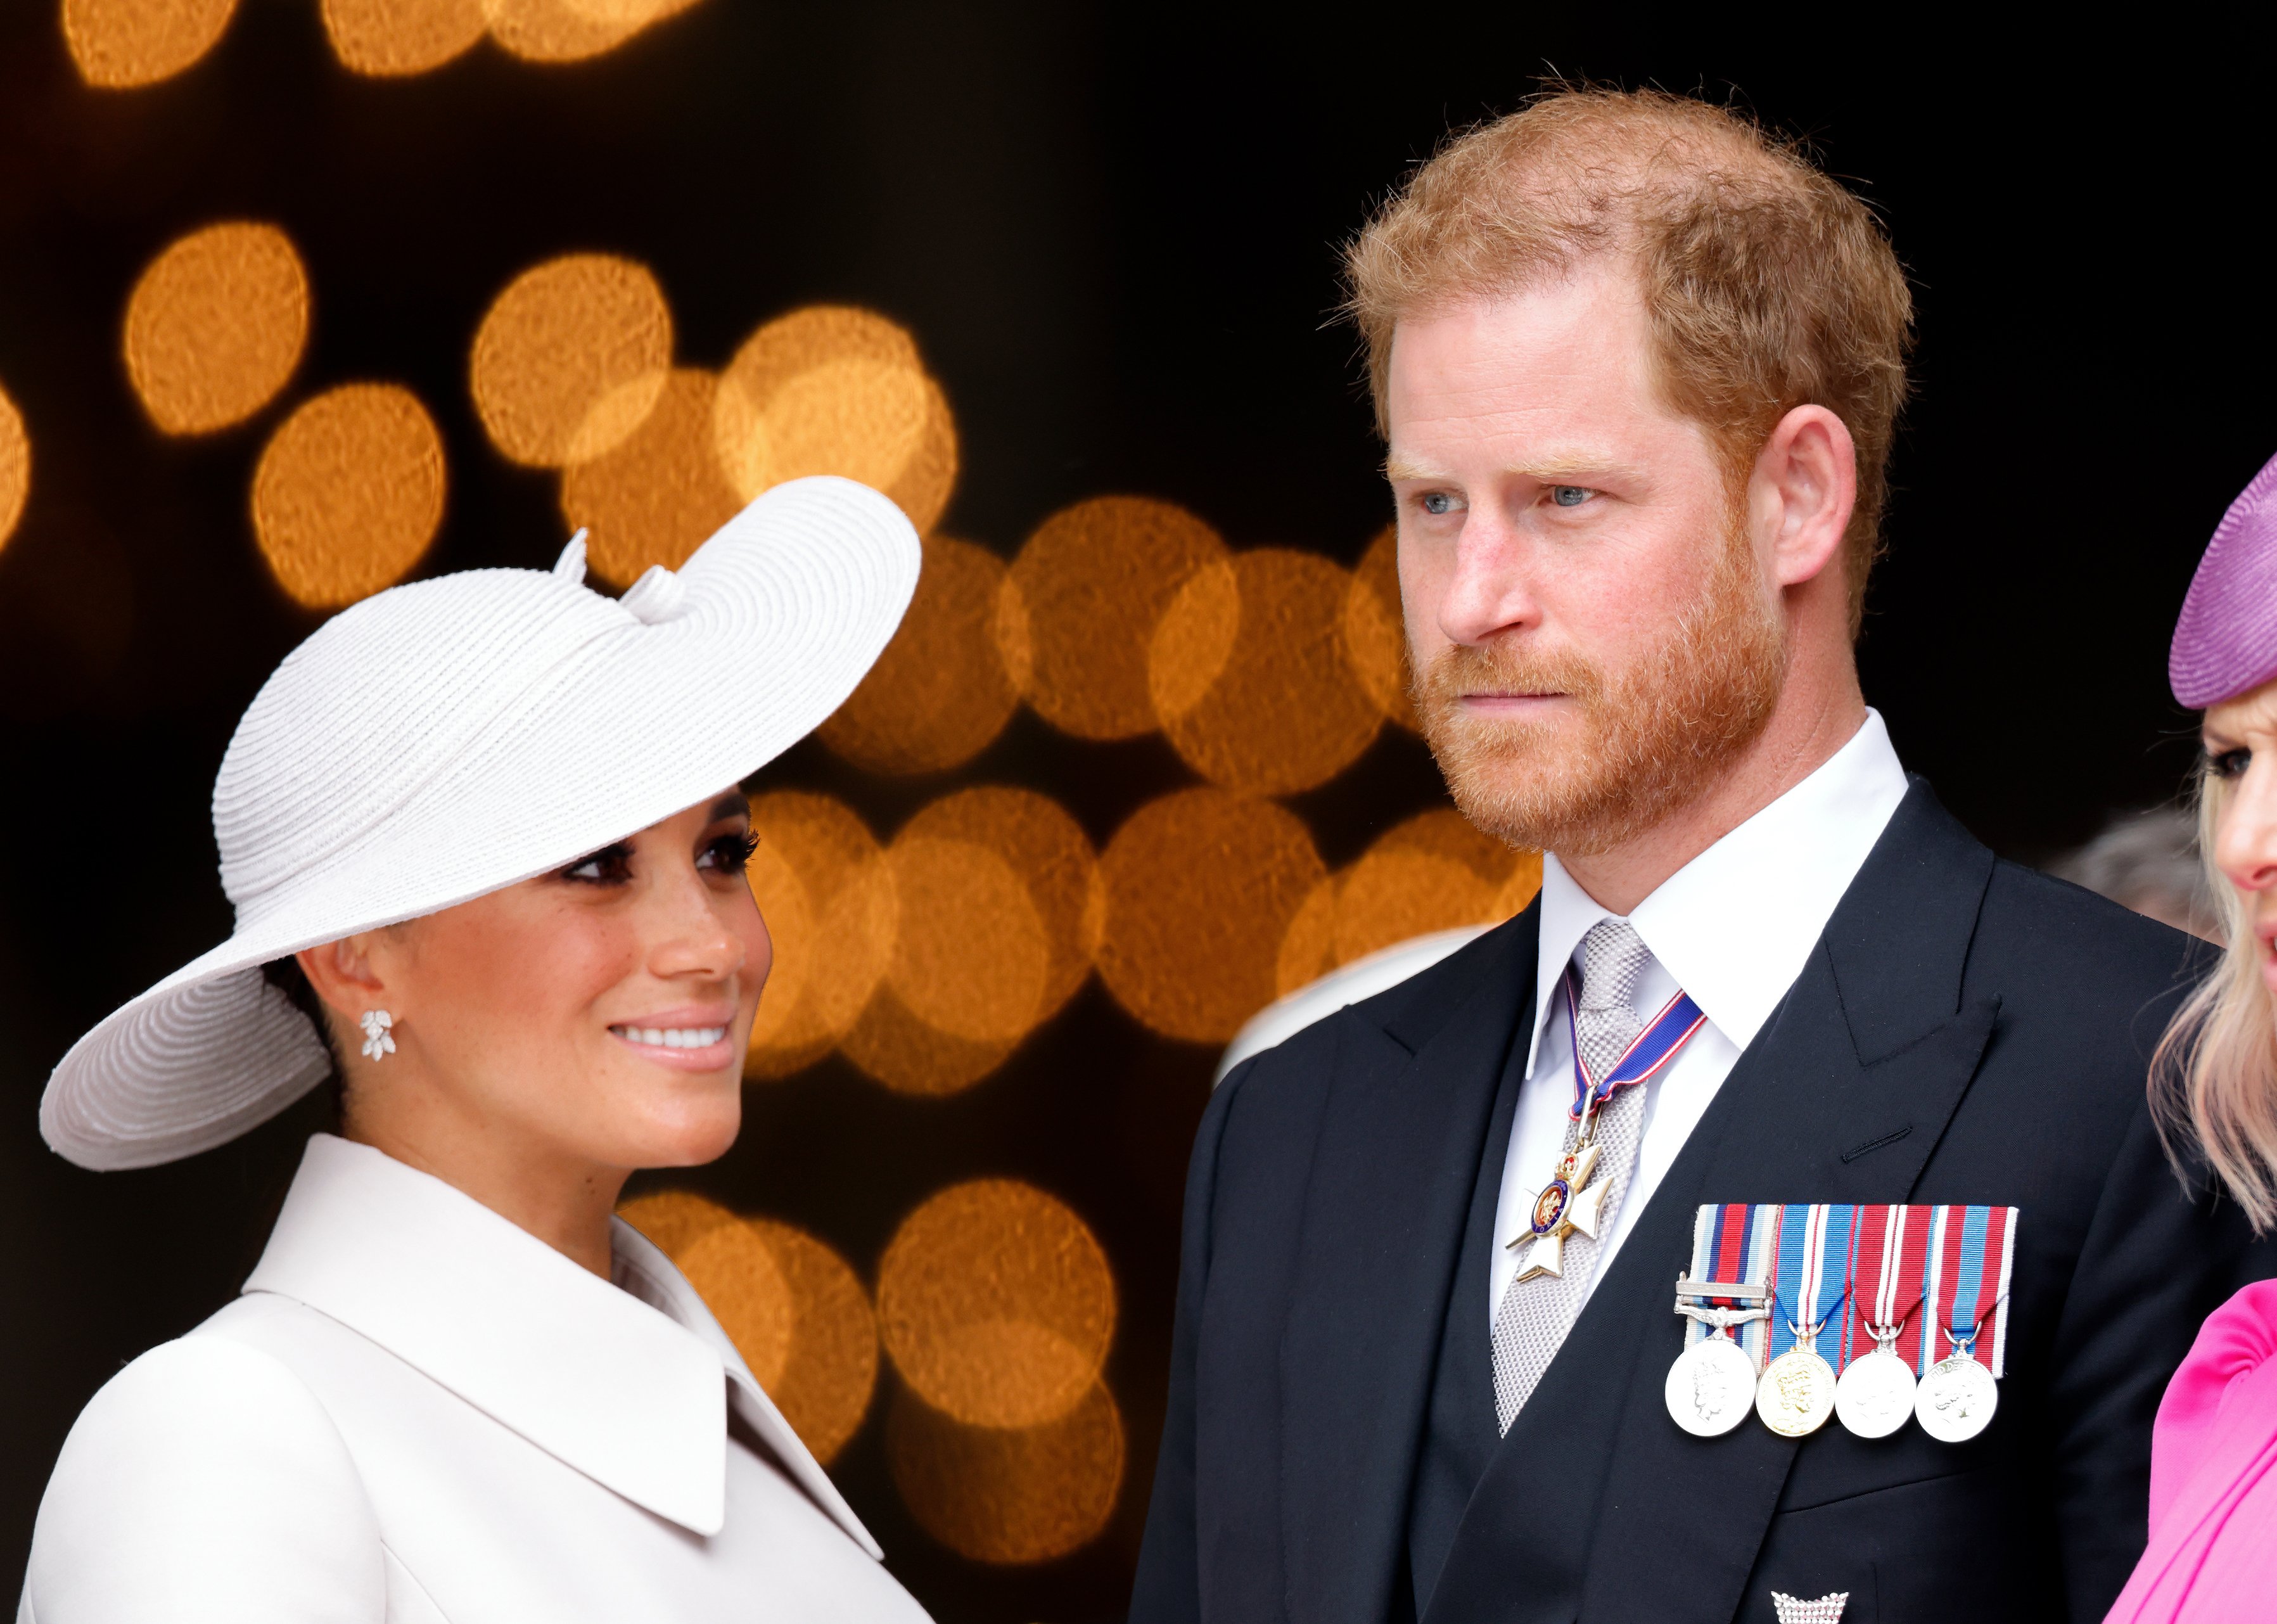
[[1735, 924], [628, 1382]]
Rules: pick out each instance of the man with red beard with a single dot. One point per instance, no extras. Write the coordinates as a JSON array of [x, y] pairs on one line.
[[1637, 366]]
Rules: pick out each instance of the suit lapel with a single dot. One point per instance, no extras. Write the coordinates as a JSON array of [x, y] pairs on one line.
[[1391, 1184], [1597, 1505]]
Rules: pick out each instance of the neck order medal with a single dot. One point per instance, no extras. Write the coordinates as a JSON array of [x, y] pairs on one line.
[[1570, 1203]]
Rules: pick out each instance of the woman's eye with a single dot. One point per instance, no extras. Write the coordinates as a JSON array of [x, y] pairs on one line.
[[730, 854], [2229, 763], [1437, 502], [607, 867], [1570, 496]]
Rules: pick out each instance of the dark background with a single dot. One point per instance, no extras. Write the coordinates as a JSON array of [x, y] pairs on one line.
[[1112, 235]]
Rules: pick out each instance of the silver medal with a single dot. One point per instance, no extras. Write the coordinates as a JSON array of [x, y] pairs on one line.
[[1709, 1387], [1875, 1396], [1957, 1399], [1796, 1394]]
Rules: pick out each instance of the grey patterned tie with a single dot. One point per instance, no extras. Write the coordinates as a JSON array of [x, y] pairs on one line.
[[1536, 1313]]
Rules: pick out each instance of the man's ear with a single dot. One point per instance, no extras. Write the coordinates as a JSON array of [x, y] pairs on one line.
[[344, 976], [1804, 489]]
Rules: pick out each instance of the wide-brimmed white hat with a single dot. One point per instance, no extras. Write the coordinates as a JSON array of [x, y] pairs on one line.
[[449, 737]]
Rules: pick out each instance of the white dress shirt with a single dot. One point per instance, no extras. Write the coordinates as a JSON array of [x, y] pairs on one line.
[[417, 1411], [1732, 928]]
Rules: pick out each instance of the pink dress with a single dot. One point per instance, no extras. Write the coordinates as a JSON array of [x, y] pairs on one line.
[[2212, 1556]]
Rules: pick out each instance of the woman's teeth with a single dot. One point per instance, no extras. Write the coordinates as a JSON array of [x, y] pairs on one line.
[[672, 1037]]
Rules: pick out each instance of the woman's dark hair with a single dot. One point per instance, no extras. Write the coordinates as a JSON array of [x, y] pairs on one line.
[[286, 976]]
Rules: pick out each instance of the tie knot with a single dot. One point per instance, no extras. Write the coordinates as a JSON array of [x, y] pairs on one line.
[[1612, 957]]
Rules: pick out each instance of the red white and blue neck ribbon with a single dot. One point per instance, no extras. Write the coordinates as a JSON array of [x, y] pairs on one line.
[[1648, 1055]]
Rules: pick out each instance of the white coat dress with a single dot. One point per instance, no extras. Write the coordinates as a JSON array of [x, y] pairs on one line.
[[417, 1411]]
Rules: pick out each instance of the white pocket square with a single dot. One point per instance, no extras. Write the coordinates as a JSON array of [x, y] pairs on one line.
[[1826, 1610]]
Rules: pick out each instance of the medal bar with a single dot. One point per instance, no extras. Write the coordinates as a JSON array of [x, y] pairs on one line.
[[1873, 1313]]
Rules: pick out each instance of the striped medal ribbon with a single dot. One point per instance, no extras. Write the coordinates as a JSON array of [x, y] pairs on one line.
[[1796, 1394], [1711, 1385], [1971, 1255], [1889, 1267]]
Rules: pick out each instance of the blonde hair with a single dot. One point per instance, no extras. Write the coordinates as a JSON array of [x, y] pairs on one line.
[[2213, 1077], [1768, 285]]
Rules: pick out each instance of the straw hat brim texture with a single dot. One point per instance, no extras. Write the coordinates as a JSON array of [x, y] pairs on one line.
[[453, 736]]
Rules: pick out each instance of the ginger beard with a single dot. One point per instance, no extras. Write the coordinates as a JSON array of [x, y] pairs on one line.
[[1651, 737]]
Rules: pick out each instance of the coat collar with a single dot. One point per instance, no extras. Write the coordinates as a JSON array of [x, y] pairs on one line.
[[627, 1382]]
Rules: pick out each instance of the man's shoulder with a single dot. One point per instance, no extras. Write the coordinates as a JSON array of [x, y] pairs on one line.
[[2039, 937], [1393, 1025]]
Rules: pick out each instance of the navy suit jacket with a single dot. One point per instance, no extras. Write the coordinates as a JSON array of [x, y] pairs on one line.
[[1965, 1030]]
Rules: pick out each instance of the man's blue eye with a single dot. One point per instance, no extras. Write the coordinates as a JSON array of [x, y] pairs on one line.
[[1569, 495], [1437, 501]]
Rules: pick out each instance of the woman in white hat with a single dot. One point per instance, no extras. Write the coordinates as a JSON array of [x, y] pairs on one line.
[[484, 831]]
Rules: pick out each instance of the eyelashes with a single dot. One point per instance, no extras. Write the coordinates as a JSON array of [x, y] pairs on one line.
[[733, 853], [726, 854]]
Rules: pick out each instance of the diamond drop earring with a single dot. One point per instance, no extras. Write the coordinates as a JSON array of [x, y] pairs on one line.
[[378, 1042]]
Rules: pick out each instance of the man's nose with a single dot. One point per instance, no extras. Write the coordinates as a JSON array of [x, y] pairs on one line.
[[1487, 592]]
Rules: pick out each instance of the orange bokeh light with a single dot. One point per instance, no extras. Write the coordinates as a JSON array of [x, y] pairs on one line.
[[1433, 873], [215, 326], [571, 358], [998, 907], [15, 467], [826, 893], [658, 495], [1201, 887], [1248, 673], [1079, 609], [1012, 1496], [940, 694], [793, 1307], [996, 1304], [1376, 636], [117, 44], [348, 493], [831, 389], [572, 30], [389, 38], [970, 956]]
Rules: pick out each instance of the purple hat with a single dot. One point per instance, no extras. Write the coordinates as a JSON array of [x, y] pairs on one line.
[[2226, 641]]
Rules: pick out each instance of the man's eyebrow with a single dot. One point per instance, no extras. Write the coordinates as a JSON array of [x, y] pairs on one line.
[[1397, 467], [1558, 468]]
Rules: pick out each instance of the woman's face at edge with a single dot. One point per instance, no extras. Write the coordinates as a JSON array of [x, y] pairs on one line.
[[2241, 746], [595, 1017]]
